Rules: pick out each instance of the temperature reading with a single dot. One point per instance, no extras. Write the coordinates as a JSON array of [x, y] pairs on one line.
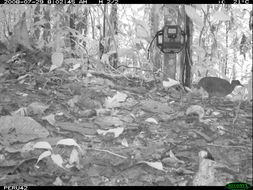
[[241, 1]]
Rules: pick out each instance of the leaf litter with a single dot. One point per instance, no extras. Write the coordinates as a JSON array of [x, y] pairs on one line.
[[88, 133]]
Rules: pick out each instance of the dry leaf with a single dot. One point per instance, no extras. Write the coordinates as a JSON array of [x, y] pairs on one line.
[[68, 142], [196, 109], [50, 118], [74, 157], [117, 131], [57, 159], [42, 145], [43, 155], [37, 107], [151, 120], [156, 165]]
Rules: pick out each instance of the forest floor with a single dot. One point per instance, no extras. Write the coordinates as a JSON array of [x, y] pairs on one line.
[[86, 129]]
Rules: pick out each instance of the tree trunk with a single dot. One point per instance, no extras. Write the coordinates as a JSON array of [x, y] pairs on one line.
[[154, 53], [36, 34], [188, 55], [114, 23], [46, 32], [72, 21], [169, 64], [181, 55]]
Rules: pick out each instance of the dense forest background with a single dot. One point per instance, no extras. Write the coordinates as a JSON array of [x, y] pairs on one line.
[[119, 35]]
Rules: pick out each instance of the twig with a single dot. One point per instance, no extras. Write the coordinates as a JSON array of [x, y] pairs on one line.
[[108, 152], [226, 146], [237, 113]]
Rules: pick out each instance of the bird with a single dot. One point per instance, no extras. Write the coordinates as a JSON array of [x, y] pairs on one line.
[[218, 87]]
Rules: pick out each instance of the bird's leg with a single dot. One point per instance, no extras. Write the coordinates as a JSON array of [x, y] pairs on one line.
[[209, 99], [213, 100]]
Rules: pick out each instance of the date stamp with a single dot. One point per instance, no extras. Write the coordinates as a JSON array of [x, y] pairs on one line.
[[23, 1], [15, 187]]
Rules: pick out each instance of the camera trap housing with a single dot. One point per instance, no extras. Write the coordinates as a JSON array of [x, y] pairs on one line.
[[171, 39]]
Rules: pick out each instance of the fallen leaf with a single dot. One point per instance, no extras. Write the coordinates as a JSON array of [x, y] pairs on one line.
[[73, 101], [156, 165], [21, 129], [108, 122], [58, 182], [170, 83], [75, 66], [151, 120], [43, 155], [117, 131], [124, 143], [196, 109], [27, 147], [42, 145], [20, 112], [115, 100], [57, 159], [50, 118], [74, 157], [120, 97], [172, 155], [37, 107], [68, 142]]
